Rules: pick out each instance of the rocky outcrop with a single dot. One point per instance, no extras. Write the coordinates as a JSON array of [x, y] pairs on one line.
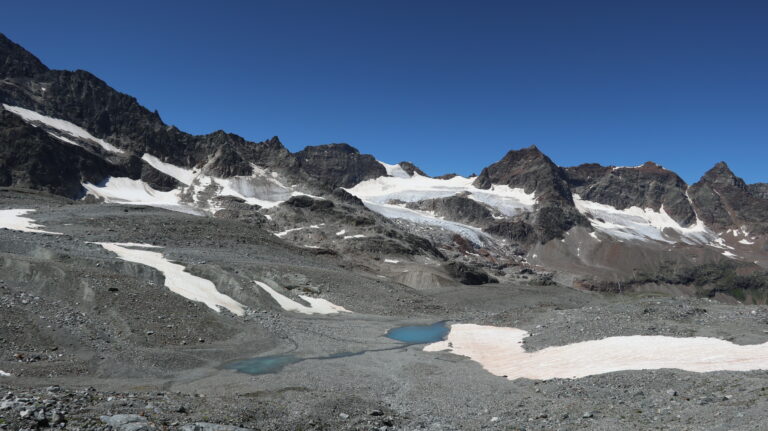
[[724, 201], [530, 170], [534, 172], [411, 169], [31, 158], [338, 165], [646, 186], [466, 274], [456, 208], [515, 230]]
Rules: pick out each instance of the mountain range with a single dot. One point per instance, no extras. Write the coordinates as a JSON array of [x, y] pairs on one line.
[[70, 134]]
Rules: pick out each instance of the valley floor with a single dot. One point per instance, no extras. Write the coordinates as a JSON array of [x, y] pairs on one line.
[[85, 335]]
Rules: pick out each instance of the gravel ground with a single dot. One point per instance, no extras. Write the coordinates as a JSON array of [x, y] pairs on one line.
[[88, 337]]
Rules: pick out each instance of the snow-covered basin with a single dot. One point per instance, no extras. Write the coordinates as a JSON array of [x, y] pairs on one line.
[[316, 305], [176, 278], [379, 195], [14, 219], [499, 350]]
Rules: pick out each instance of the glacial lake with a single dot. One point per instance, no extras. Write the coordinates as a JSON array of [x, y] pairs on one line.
[[413, 334]]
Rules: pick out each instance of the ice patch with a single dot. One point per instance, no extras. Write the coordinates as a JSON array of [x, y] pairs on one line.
[[391, 261], [182, 175], [62, 126], [422, 217], [395, 170], [177, 280], [381, 194], [354, 236], [14, 220], [4, 374], [499, 351], [641, 224], [316, 305], [341, 232], [122, 190]]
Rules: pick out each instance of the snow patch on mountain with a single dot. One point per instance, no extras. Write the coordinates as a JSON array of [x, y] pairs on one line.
[[63, 126], [642, 224], [395, 170], [500, 351], [316, 305], [386, 195], [182, 175], [177, 280], [121, 190], [4, 374], [14, 219], [423, 217]]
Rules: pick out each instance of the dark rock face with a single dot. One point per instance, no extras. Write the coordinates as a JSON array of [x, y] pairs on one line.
[[466, 274], [411, 169], [724, 201], [309, 203], [16, 61], [338, 165], [456, 208], [759, 190], [227, 162], [31, 158], [647, 186], [516, 230]]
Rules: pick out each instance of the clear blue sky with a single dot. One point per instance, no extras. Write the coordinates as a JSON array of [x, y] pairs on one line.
[[448, 85]]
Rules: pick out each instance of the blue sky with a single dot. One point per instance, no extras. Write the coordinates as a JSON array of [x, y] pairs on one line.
[[451, 86]]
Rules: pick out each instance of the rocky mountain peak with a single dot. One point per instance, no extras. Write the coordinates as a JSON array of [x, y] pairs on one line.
[[722, 175], [17, 61], [725, 201], [530, 169]]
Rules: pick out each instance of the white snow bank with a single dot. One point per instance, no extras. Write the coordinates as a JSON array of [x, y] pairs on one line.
[[316, 305], [176, 278], [4, 374], [641, 224], [61, 125], [122, 190], [499, 350], [14, 219]]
